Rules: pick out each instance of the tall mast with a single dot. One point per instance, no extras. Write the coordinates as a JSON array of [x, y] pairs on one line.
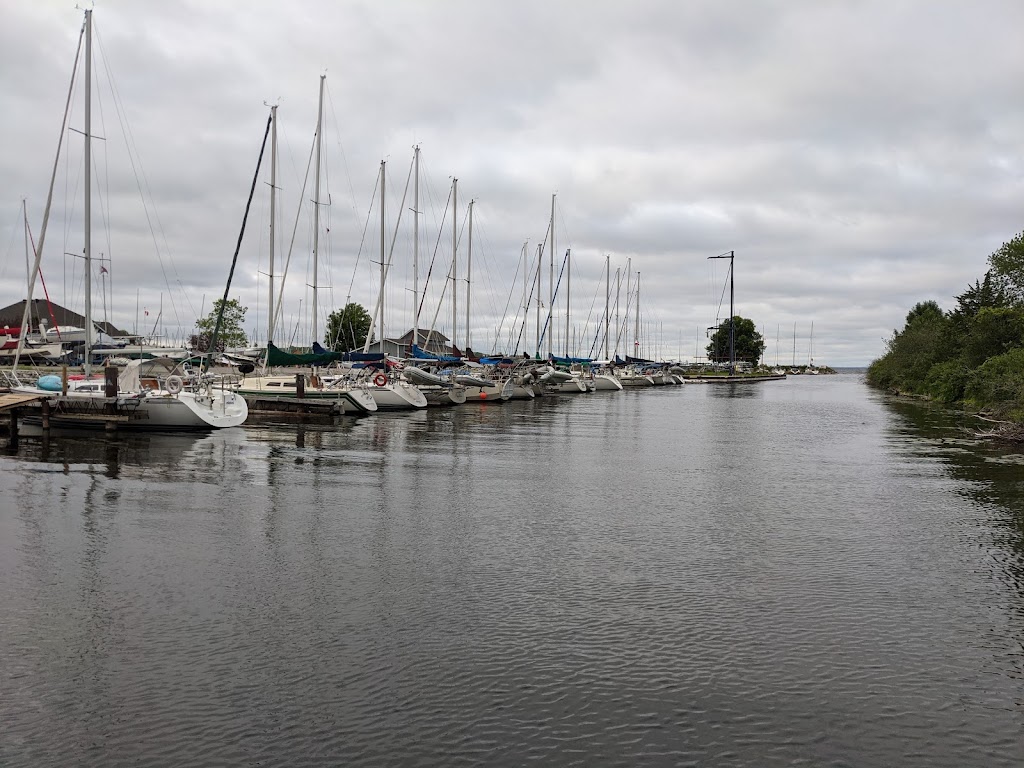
[[540, 263], [316, 203], [618, 290], [526, 286], [416, 249], [636, 328], [469, 268], [794, 343], [568, 276], [551, 260], [731, 256], [732, 313], [273, 202], [607, 299], [88, 193], [455, 258], [383, 168]]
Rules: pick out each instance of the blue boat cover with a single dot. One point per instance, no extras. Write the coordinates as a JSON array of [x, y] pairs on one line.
[[420, 354]]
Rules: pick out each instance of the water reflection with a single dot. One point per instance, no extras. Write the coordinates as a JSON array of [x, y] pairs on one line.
[[802, 573], [991, 473]]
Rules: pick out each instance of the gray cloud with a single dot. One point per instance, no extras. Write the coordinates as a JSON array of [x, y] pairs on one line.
[[858, 156]]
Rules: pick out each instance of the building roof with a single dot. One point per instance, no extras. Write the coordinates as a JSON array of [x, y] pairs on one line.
[[11, 316]]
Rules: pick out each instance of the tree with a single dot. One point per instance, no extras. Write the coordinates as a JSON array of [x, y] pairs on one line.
[[913, 351], [749, 343], [230, 333], [347, 328], [1007, 267]]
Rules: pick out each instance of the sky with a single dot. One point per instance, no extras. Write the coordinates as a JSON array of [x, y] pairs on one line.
[[856, 156]]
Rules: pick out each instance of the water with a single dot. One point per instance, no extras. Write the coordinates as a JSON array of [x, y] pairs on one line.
[[792, 573]]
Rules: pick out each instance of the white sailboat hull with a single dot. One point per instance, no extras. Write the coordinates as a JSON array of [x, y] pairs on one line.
[[605, 382], [396, 396]]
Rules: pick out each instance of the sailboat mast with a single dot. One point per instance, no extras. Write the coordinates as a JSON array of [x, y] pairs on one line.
[[316, 205], [551, 260], [455, 259], [88, 193], [731, 256], [526, 286], [416, 249], [568, 277], [607, 299], [383, 168], [273, 203], [794, 343], [540, 264], [618, 290], [636, 329], [469, 268], [732, 313]]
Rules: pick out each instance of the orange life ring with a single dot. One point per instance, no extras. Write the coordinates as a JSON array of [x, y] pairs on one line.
[[380, 380]]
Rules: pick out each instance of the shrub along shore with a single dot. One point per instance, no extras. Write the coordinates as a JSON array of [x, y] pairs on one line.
[[971, 355]]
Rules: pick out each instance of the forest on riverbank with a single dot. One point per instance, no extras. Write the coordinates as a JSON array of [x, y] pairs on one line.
[[972, 354]]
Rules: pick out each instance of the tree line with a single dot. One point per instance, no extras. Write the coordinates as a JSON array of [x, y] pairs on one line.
[[972, 354], [347, 328]]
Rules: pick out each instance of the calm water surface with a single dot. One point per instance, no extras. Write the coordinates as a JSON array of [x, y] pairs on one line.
[[793, 573]]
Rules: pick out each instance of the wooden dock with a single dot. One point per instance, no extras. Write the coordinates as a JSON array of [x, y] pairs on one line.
[[107, 411], [293, 410]]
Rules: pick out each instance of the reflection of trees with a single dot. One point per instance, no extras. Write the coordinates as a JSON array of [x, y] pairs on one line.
[[991, 475]]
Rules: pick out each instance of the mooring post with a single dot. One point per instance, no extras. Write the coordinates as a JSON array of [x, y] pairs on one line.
[[45, 408], [63, 380], [300, 385], [13, 441], [110, 381]]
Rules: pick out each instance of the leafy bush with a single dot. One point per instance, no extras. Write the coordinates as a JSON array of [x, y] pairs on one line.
[[999, 382], [947, 380]]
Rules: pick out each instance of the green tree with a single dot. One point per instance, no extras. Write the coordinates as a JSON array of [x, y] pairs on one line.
[[347, 328], [1007, 267], [230, 333], [913, 351], [748, 342]]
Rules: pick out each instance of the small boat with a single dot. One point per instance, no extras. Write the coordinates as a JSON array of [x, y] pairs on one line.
[[350, 399]]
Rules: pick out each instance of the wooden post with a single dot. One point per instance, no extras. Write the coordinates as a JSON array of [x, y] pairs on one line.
[[13, 441], [45, 408], [63, 380], [300, 385], [110, 381]]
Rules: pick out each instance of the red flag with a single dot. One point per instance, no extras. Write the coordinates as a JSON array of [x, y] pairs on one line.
[[103, 270]]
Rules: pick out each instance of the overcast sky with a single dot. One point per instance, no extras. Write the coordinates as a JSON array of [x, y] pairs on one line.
[[858, 157]]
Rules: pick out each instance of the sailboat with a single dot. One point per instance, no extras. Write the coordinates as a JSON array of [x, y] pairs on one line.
[[150, 393], [810, 353], [347, 397]]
